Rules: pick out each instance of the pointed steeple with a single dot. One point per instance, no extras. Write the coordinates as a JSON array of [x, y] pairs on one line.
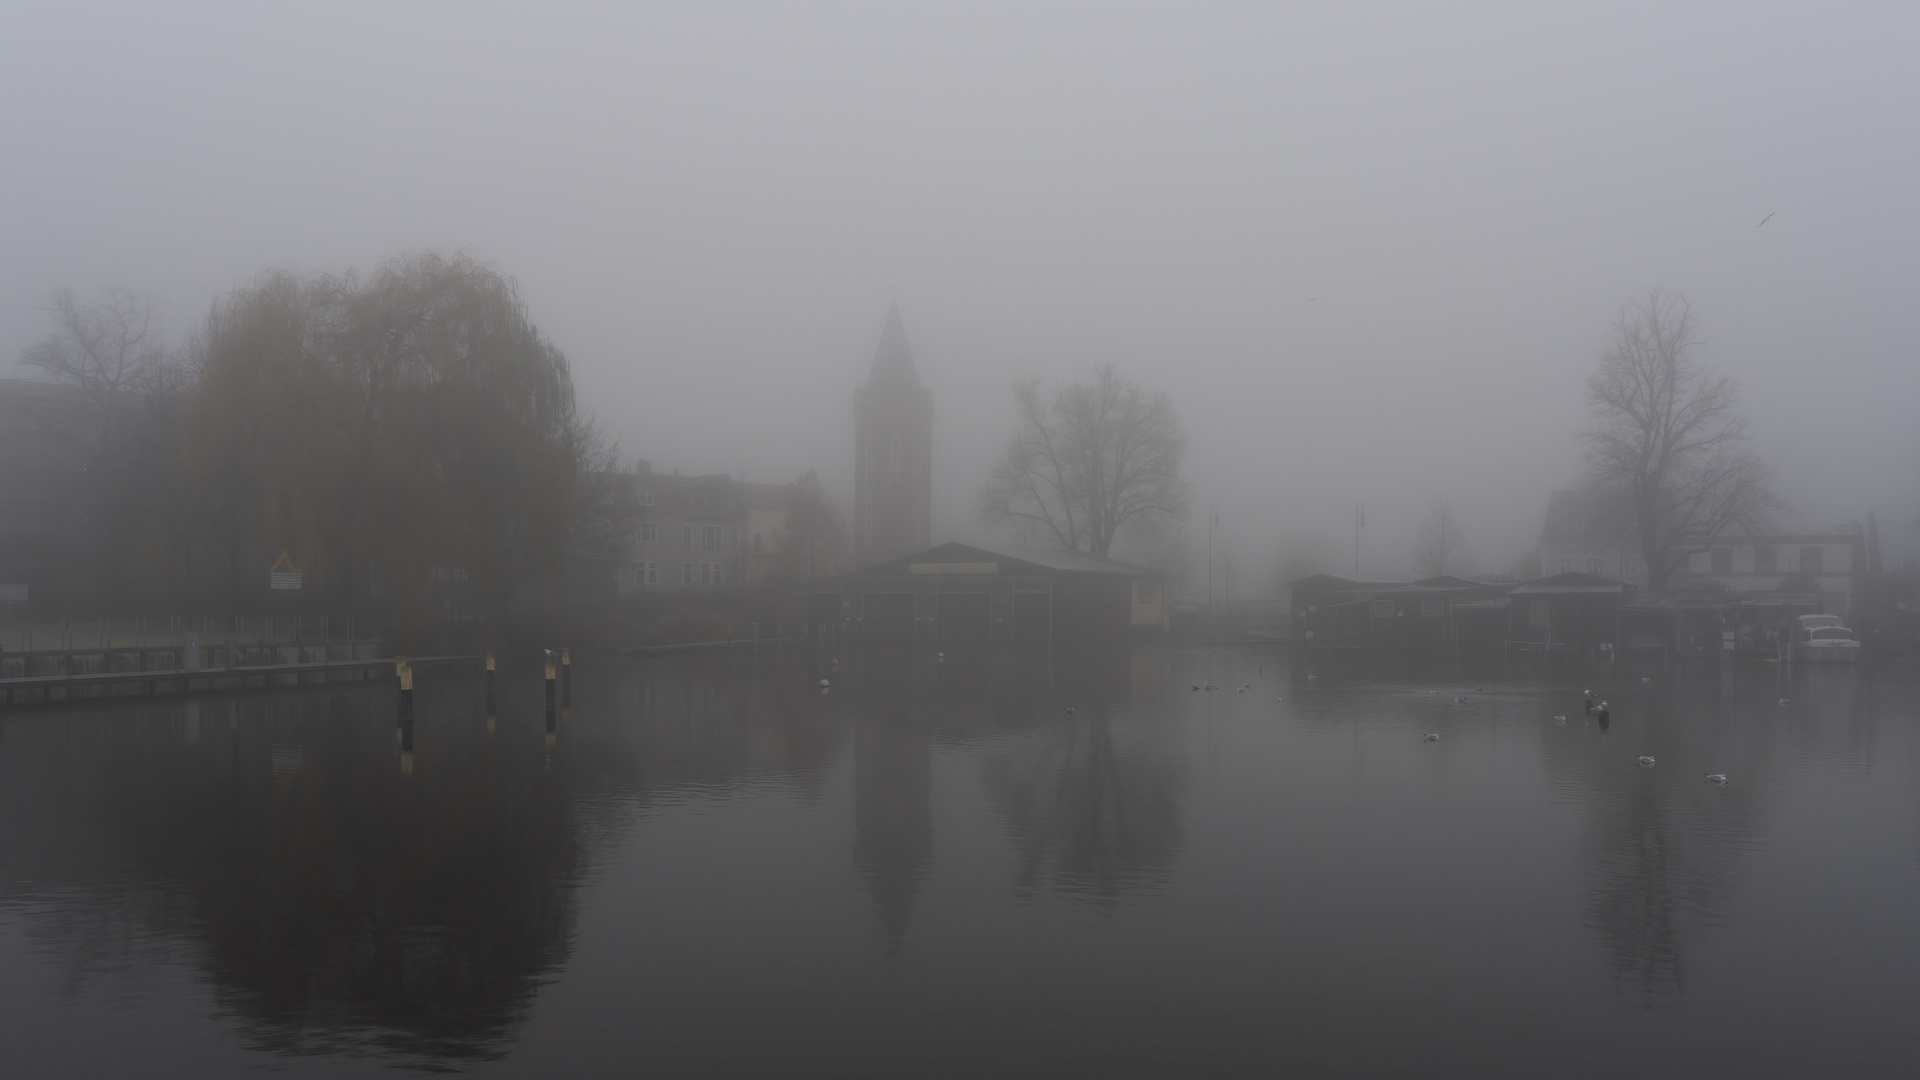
[[893, 361]]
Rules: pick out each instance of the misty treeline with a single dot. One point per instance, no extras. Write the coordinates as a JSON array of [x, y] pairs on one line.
[[1668, 458], [408, 439]]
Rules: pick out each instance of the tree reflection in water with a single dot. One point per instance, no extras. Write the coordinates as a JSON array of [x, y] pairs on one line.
[[1092, 801], [336, 904]]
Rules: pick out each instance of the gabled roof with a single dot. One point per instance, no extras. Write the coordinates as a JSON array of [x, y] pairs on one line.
[[1334, 581], [893, 360], [1445, 583], [1448, 581], [959, 559], [1569, 584]]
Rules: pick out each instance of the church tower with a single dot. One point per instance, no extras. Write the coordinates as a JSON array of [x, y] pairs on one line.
[[892, 454]]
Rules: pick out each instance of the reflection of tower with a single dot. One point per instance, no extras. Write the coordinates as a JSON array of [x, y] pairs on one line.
[[892, 812], [892, 454]]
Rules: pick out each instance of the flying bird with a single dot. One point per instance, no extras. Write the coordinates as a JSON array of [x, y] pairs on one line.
[[1717, 777], [1646, 759], [1069, 710], [1766, 219], [1432, 738], [1784, 702]]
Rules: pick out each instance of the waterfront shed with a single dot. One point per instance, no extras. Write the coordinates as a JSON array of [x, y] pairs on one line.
[[961, 593]]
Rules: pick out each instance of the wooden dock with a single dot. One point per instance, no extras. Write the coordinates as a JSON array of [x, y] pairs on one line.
[[108, 685]]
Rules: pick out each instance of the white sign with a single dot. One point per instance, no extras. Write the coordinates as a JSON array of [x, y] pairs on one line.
[[281, 579]]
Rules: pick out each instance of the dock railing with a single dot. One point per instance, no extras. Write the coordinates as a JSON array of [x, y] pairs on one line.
[[96, 645]]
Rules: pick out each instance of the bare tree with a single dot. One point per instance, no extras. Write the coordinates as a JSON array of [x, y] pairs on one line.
[[1439, 549], [108, 349], [1667, 440], [1087, 461]]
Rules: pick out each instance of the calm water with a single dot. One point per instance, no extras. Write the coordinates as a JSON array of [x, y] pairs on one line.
[[933, 870]]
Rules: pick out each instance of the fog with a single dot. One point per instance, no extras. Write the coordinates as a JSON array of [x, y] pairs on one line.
[[1371, 253]]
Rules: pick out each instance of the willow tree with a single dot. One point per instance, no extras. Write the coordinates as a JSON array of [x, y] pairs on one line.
[[1087, 461], [1667, 440], [388, 433]]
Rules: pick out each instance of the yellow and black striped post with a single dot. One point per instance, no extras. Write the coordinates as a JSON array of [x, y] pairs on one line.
[[550, 703], [566, 678], [404, 728]]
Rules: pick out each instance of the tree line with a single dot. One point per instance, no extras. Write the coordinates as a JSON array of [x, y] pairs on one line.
[[408, 439]]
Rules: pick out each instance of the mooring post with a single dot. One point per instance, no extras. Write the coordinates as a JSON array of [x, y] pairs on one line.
[[551, 728], [550, 712], [566, 678], [490, 667], [404, 671]]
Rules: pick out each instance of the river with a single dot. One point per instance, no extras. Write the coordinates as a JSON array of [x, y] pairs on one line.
[[971, 865]]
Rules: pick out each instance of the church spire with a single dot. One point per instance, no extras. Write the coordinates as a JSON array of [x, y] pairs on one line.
[[893, 361]]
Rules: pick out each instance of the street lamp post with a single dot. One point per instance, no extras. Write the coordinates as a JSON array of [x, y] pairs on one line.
[[1213, 520]]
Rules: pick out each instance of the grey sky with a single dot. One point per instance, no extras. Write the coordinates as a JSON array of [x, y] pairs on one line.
[[1371, 251]]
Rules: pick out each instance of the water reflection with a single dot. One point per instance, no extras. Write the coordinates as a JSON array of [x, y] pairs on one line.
[[939, 850], [893, 787], [1092, 799], [335, 903]]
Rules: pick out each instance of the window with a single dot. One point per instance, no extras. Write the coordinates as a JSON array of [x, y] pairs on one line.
[[1723, 560], [686, 537], [686, 573], [646, 573], [756, 541], [1383, 609], [1433, 607], [733, 538], [1765, 559], [1594, 562], [709, 538], [713, 573], [649, 532], [646, 496], [1539, 612], [1566, 564], [1579, 523], [1146, 591], [1630, 566], [1810, 558]]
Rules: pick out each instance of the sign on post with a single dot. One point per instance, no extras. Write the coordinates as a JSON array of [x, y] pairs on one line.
[[283, 574]]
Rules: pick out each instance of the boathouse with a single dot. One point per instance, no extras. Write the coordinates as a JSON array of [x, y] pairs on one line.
[[963, 594]]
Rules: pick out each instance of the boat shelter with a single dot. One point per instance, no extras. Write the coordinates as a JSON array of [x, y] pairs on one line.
[[1572, 613], [963, 594]]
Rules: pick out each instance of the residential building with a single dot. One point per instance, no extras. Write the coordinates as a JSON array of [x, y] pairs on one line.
[[1590, 534], [706, 533]]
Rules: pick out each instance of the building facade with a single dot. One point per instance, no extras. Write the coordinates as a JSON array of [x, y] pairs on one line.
[[1588, 534], [701, 533], [892, 454]]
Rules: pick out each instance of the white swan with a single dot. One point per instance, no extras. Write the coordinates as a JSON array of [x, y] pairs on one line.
[[1646, 759], [1717, 777], [1432, 738]]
